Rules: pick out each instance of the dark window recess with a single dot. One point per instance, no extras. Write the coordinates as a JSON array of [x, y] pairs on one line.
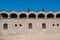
[[50, 16], [32, 15], [5, 26], [57, 24], [15, 25], [4, 15], [30, 25], [58, 15], [53, 25], [13, 15], [23, 15], [20, 25], [43, 25], [41, 16]]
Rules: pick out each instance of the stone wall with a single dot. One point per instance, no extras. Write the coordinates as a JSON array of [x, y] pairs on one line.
[[24, 28]]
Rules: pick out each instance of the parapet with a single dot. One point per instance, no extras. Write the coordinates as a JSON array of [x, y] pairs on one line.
[[31, 14]]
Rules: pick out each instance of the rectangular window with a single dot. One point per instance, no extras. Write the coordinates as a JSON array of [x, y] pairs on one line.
[[30, 25], [43, 25], [5, 26]]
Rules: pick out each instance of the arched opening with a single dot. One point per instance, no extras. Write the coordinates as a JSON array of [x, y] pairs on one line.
[[30, 25], [43, 25], [58, 16], [13, 15], [4, 15], [32, 16], [41, 16], [23, 15], [50, 16], [5, 26]]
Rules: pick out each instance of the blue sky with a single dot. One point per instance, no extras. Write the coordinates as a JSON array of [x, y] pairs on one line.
[[36, 5]]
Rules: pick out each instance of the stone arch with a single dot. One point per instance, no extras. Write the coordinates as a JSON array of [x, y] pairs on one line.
[[22, 15], [13, 15], [41, 16], [58, 15], [32, 15], [4, 15], [50, 16]]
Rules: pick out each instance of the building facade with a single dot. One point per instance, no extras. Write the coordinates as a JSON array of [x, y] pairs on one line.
[[29, 22]]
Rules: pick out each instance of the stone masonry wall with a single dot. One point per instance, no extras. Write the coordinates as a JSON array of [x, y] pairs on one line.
[[24, 28]]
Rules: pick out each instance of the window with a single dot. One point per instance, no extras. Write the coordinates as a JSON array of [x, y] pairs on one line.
[[43, 25], [41, 16], [50, 16], [22, 15], [58, 15], [15, 25], [5, 26], [20, 25], [4, 15], [57, 24], [53, 25], [13, 15], [32, 15], [30, 25]]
